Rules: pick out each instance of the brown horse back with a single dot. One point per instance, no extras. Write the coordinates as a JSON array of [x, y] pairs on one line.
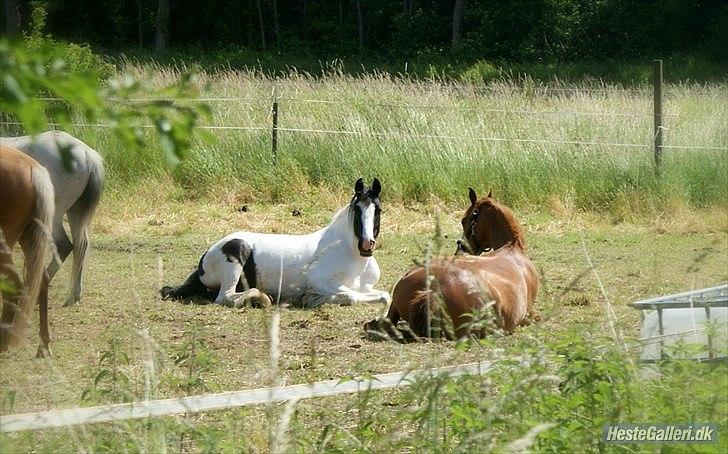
[[16, 171]]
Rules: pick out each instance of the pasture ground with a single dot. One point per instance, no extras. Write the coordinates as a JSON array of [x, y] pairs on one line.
[[141, 242], [574, 162]]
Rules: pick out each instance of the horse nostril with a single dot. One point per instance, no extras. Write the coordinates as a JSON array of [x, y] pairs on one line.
[[367, 245]]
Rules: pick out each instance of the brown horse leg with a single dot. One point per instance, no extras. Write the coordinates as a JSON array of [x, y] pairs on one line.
[[393, 315], [532, 316], [45, 331], [389, 326], [386, 327], [10, 297], [10, 305]]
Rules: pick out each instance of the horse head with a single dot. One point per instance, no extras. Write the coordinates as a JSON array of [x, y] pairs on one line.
[[489, 225], [365, 209]]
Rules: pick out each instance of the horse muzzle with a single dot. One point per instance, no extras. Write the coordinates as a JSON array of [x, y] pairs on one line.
[[366, 247]]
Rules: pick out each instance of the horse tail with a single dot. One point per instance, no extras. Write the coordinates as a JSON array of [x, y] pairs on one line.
[[192, 286], [36, 240], [79, 217], [429, 316]]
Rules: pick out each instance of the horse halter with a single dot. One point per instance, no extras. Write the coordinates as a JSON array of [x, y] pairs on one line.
[[473, 238]]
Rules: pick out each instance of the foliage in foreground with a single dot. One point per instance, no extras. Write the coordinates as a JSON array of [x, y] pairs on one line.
[[552, 397], [47, 84]]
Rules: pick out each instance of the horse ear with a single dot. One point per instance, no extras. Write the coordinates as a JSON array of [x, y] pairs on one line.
[[359, 186], [376, 188], [490, 193], [473, 196]]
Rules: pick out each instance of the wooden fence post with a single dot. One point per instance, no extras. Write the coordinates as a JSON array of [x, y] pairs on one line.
[[274, 131], [657, 88]]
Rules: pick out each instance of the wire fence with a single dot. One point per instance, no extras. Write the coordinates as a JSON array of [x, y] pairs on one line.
[[406, 135], [274, 128]]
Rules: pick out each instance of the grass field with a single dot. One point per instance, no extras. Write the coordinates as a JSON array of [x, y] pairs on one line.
[[645, 235], [587, 146], [138, 248]]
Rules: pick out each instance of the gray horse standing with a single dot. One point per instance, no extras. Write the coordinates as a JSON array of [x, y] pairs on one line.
[[77, 173]]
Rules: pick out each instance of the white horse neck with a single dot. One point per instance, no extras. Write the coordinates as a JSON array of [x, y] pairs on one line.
[[339, 233]]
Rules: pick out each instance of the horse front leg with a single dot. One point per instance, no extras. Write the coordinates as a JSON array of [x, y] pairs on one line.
[[235, 291], [344, 296], [9, 296]]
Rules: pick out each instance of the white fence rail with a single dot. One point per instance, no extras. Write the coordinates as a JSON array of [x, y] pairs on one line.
[[207, 402]]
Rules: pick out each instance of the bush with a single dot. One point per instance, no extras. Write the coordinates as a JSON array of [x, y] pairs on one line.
[[482, 72]]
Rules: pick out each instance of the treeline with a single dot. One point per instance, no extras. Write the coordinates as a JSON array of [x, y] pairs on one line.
[[515, 30]]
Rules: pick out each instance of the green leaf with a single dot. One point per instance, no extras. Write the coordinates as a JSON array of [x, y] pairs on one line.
[[100, 376], [12, 88]]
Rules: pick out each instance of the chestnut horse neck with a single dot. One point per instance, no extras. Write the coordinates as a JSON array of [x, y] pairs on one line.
[[493, 226]]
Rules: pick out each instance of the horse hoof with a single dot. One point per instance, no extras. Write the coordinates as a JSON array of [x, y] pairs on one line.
[[70, 302], [261, 300], [343, 301], [43, 352]]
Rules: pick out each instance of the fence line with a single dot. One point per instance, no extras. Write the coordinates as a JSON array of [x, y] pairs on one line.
[[407, 135], [203, 99], [106, 125], [220, 401], [693, 147]]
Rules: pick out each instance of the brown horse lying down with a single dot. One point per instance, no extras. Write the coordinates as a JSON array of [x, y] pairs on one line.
[[26, 212], [464, 285]]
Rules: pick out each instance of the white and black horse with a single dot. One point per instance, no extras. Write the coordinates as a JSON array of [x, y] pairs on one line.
[[77, 173], [332, 265]]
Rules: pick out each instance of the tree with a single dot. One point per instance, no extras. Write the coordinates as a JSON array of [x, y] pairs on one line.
[[140, 31], [360, 24], [262, 25], [457, 21], [276, 26], [162, 26], [12, 18]]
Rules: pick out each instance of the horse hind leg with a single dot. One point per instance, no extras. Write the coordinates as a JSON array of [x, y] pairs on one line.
[[238, 283], [235, 291]]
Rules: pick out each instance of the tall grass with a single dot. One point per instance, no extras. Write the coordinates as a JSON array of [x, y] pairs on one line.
[[543, 396], [426, 139]]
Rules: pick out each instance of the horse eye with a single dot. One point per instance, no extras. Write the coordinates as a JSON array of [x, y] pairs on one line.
[[474, 214]]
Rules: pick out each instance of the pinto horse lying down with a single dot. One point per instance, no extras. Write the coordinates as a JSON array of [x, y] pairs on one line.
[[462, 286], [332, 265]]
